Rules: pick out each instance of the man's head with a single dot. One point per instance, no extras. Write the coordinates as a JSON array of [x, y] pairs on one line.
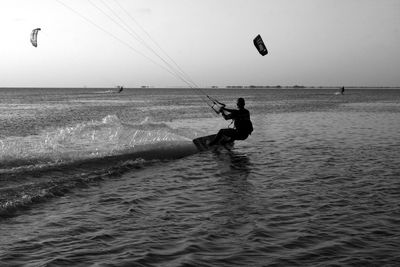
[[240, 102]]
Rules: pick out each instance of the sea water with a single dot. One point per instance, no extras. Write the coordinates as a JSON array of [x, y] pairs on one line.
[[95, 177]]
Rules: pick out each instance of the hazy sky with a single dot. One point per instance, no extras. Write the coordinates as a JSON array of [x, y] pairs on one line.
[[310, 42]]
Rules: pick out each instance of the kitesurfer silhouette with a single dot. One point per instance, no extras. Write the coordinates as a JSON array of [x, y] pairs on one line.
[[242, 124]]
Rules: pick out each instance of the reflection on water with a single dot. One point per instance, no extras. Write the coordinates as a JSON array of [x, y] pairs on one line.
[[235, 191], [232, 164]]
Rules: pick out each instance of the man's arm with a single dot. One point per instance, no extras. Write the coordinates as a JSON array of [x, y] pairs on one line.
[[228, 116]]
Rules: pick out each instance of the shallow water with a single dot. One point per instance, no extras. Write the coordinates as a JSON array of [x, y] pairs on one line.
[[102, 183]]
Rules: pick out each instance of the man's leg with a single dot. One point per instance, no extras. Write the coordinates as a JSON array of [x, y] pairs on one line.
[[229, 132]]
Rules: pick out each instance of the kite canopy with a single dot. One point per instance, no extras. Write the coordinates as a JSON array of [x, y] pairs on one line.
[[34, 36], [259, 44]]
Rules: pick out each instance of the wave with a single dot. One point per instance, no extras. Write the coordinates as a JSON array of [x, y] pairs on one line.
[[85, 141], [34, 168]]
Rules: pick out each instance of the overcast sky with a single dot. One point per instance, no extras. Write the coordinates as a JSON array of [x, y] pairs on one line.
[[310, 42]]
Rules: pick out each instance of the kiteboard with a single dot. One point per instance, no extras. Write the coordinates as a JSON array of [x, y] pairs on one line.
[[202, 143]]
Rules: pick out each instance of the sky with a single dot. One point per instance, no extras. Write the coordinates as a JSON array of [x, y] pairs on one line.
[[105, 43]]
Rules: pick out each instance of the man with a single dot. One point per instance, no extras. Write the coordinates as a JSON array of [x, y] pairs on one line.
[[242, 124]]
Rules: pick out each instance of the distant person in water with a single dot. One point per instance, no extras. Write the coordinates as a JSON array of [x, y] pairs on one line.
[[120, 89], [242, 124], [342, 91]]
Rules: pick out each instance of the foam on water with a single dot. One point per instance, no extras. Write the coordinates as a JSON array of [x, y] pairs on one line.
[[95, 139], [63, 157]]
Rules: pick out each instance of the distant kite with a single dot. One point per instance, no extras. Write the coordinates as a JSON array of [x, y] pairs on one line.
[[259, 44], [34, 36]]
